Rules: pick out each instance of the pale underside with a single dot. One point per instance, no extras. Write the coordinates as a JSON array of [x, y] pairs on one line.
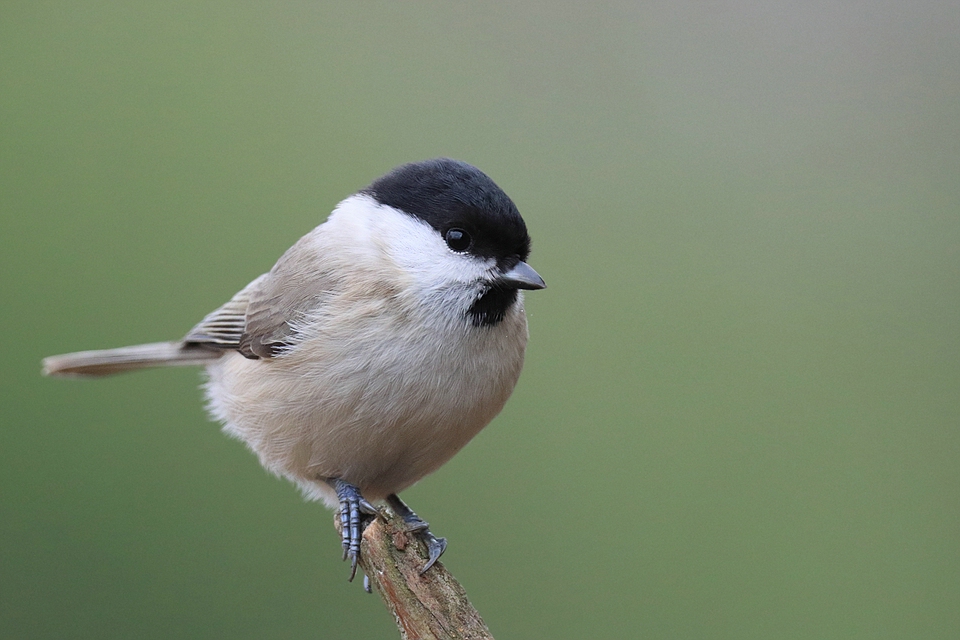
[[376, 378]]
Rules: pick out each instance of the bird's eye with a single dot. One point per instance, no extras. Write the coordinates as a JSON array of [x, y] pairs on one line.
[[458, 240]]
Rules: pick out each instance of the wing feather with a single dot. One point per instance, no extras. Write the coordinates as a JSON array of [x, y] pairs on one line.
[[224, 327], [260, 321]]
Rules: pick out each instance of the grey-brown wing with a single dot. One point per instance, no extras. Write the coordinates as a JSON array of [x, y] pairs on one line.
[[296, 286], [261, 320], [224, 327], [272, 315]]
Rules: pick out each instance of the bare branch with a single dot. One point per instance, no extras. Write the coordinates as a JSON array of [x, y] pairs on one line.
[[425, 607]]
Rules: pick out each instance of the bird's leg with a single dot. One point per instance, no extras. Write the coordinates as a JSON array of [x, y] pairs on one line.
[[352, 505], [415, 524]]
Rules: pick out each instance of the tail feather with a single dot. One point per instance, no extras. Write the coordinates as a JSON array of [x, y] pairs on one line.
[[141, 356]]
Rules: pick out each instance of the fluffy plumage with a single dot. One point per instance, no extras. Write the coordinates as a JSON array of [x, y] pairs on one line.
[[377, 346], [386, 379]]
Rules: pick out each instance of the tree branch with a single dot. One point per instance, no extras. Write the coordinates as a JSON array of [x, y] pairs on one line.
[[429, 606]]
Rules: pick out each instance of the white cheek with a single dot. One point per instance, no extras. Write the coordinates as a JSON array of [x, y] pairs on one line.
[[420, 251], [398, 248]]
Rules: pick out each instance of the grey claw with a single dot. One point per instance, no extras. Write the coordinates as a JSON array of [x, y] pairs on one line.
[[435, 547], [352, 505], [354, 558], [415, 524], [367, 508]]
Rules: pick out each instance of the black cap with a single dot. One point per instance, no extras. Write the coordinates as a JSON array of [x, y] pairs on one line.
[[449, 194]]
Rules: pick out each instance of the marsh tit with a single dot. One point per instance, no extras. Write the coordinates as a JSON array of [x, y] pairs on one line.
[[376, 347]]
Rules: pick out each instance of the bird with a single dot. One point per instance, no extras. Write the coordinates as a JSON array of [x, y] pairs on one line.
[[376, 347]]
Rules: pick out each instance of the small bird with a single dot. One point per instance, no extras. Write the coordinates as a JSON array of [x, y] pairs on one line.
[[377, 346]]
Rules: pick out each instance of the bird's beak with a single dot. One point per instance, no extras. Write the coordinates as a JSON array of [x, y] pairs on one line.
[[522, 276]]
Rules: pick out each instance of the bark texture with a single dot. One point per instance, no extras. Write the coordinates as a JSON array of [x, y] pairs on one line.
[[429, 606]]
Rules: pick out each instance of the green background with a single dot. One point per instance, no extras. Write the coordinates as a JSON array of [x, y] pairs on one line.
[[740, 413]]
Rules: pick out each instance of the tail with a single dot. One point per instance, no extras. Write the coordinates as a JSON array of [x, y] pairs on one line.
[[141, 356]]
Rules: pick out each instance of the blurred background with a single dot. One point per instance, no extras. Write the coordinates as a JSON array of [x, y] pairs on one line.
[[740, 413]]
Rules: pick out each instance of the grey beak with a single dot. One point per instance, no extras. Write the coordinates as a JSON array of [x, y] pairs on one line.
[[522, 276]]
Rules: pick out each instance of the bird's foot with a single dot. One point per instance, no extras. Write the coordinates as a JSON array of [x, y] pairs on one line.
[[415, 524], [353, 507]]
